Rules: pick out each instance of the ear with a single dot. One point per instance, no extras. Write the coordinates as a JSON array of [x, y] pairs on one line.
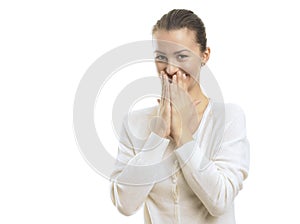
[[205, 55]]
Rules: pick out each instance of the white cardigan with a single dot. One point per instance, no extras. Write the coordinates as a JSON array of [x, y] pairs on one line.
[[196, 183]]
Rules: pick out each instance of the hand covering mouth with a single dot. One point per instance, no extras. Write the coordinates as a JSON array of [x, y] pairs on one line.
[[171, 76]]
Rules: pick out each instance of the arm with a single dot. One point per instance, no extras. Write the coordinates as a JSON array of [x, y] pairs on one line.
[[132, 179], [217, 181]]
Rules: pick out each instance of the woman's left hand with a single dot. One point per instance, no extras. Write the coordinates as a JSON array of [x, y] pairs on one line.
[[184, 118]]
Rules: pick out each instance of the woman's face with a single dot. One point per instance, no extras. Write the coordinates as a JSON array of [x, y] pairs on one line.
[[177, 50]]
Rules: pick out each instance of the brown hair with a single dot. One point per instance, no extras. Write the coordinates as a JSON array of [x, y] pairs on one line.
[[182, 18]]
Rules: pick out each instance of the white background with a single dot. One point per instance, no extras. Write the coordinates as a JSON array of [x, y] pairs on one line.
[[46, 47]]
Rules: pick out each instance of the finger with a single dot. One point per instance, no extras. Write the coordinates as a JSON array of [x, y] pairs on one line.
[[184, 78], [174, 79], [161, 74], [161, 79], [162, 89], [179, 79], [167, 92], [174, 87], [173, 90]]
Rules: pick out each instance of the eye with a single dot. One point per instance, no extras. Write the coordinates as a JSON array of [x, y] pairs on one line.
[[161, 58], [181, 57]]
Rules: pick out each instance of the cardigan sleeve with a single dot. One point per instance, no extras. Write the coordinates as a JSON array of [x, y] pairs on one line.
[[218, 179], [133, 176]]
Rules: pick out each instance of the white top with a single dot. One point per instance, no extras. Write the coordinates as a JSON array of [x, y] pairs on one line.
[[196, 183]]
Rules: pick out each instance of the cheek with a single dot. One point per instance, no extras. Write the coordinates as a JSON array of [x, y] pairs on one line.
[[159, 67], [192, 69]]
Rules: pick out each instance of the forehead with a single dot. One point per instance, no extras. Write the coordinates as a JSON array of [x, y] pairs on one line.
[[175, 40]]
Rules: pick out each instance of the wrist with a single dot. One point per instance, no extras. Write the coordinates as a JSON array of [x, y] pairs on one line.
[[183, 138]]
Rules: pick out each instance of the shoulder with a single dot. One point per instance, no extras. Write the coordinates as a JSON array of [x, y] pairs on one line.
[[227, 117], [234, 111], [228, 111], [235, 120], [235, 116]]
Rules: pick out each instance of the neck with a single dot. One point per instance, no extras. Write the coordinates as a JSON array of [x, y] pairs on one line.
[[197, 94]]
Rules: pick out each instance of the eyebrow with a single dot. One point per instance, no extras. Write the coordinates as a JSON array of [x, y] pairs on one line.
[[156, 51], [176, 52]]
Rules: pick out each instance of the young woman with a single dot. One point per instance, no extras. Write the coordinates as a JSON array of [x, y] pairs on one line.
[[193, 162]]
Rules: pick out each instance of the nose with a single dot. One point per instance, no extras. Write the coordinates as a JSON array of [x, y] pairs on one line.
[[171, 69]]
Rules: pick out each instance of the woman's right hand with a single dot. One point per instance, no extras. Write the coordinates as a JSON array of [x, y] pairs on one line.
[[161, 124]]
